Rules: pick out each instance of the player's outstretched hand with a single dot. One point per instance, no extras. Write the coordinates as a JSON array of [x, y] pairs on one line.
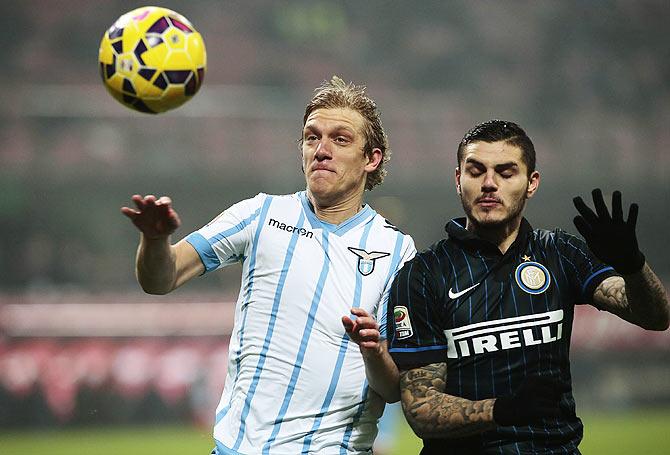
[[363, 330], [536, 397], [611, 238], [155, 218]]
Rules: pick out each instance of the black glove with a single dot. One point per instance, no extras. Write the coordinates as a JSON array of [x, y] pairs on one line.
[[610, 238], [536, 397]]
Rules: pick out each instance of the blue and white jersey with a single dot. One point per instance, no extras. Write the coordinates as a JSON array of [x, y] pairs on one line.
[[296, 383]]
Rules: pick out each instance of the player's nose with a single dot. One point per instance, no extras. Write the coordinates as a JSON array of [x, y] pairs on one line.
[[322, 150], [489, 184]]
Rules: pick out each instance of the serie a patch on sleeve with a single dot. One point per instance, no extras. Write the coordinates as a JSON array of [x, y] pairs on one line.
[[403, 325]]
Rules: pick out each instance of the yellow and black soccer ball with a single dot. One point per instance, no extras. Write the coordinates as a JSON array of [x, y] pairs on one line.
[[152, 59]]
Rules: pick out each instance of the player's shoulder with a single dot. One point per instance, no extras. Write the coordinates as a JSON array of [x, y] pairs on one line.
[[261, 202], [275, 199], [384, 223], [557, 239], [428, 260]]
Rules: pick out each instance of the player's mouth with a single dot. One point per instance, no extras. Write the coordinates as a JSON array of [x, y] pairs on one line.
[[320, 167], [489, 202]]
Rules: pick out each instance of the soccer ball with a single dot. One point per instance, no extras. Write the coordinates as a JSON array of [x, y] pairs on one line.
[[152, 59]]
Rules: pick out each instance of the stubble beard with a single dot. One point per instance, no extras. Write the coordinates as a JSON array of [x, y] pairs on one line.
[[493, 225]]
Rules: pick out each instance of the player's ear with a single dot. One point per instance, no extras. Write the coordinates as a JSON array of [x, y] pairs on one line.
[[301, 156], [374, 159], [533, 184], [457, 179]]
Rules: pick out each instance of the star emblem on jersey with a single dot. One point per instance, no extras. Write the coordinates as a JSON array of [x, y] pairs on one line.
[[366, 261], [532, 277]]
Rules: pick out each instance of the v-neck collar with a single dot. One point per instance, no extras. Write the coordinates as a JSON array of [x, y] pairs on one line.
[[340, 229]]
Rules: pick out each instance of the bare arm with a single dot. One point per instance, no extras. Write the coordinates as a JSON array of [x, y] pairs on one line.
[[380, 369], [433, 414], [160, 267], [639, 298]]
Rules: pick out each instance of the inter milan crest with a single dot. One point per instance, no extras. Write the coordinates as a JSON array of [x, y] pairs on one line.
[[366, 261], [532, 277]]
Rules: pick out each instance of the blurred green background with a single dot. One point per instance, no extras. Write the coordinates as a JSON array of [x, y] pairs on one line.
[[611, 434], [589, 81]]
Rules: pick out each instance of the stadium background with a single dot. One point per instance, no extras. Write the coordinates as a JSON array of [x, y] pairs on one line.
[[89, 363]]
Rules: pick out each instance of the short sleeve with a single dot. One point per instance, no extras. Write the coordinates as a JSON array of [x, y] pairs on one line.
[[582, 268], [415, 326], [225, 239], [406, 253]]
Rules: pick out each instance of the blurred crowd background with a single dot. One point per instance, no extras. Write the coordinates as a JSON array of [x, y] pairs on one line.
[[79, 341]]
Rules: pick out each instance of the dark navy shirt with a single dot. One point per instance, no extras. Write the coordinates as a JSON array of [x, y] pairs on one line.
[[495, 319]]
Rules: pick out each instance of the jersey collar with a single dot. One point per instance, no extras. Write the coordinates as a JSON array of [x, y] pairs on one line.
[[345, 226], [456, 230]]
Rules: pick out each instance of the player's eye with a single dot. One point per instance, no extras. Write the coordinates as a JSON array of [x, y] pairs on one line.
[[507, 173], [310, 138], [341, 140]]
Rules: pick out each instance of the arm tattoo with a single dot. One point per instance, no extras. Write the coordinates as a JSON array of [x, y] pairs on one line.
[[433, 414], [611, 295], [639, 298]]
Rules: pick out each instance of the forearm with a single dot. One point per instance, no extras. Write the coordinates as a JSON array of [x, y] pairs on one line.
[[446, 416], [155, 265], [382, 375], [434, 414], [647, 299]]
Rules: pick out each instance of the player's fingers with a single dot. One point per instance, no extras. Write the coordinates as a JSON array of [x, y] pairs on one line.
[[360, 312], [586, 213], [173, 220], [369, 344], [348, 324], [617, 210], [369, 334], [163, 200], [130, 213], [149, 200], [147, 203], [599, 203], [366, 323], [583, 227], [138, 201], [632, 216]]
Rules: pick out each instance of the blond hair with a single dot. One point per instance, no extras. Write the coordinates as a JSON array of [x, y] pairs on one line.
[[338, 94]]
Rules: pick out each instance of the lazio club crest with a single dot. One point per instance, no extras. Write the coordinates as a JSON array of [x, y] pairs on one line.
[[532, 277], [366, 261]]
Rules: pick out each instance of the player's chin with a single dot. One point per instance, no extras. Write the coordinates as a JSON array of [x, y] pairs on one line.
[[319, 185], [323, 190], [490, 218]]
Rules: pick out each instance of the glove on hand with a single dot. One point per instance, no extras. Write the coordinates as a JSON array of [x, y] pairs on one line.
[[536, 397], [610, 238]]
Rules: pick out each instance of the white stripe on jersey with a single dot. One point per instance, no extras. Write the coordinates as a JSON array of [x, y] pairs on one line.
[[295, 382]]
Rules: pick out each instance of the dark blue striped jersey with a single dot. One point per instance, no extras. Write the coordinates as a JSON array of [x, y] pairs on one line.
[[494, 319]]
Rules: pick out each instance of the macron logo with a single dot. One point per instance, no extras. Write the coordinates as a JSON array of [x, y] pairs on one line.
[[293, 229], [454, 295], [503, 334]]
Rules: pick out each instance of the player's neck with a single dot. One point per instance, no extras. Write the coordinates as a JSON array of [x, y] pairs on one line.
[[502, 235], [335, 212]]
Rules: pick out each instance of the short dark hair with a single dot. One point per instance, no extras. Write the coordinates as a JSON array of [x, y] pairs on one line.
[[500, 130], [338, 94]]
